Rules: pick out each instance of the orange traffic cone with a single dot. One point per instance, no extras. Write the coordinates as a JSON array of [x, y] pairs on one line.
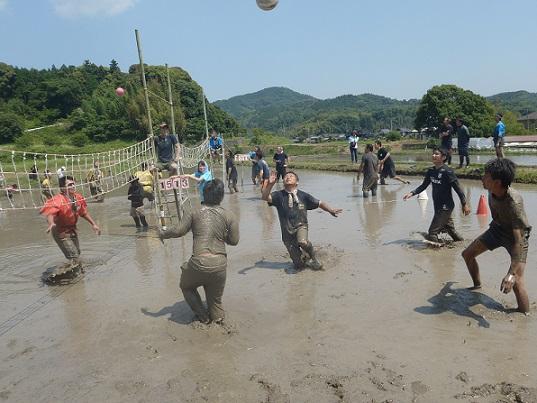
[[482, 208]]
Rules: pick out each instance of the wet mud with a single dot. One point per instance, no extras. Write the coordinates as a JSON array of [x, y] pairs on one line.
[[389, 318]]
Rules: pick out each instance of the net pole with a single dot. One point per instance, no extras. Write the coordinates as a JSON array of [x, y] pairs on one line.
[[205, 114], [159, 209]]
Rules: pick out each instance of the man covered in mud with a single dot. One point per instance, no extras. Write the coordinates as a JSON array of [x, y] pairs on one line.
[[293, 205], [62, 212], [443, 179], [509, 229], [369, 167], [212, 228]]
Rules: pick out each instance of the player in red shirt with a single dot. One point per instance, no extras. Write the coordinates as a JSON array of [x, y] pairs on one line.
[[62, 212]]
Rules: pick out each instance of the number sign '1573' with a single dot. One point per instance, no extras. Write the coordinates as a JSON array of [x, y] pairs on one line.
[[175, 182]]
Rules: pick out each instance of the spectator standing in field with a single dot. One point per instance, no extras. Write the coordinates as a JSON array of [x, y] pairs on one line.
[[215, 145], [353, 146], [463, 141], [446, 137], [499, 136], [281, 160]]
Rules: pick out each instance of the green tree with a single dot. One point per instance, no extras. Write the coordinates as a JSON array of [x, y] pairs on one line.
[[7, 80], [11, 126], [452, 101]]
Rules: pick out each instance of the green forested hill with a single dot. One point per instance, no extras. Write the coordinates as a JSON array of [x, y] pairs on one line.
[[301, 114], [83, 100], [273, 97], [522, 102]]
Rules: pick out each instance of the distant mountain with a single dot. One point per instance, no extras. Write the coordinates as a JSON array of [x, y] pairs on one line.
[[273, 97], [523, 102], [283, 110]]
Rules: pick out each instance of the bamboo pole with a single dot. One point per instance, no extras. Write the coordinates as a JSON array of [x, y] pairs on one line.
[[160, 211]]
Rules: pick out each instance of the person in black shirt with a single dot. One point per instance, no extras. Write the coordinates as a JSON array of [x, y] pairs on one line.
[[231, 172], [386, 165], [463, 140], [446, 137], [281, 160], [443, 180], [136, 196], [293, 205]]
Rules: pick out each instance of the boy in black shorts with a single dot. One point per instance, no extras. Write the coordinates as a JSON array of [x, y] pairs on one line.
[[509, 229]]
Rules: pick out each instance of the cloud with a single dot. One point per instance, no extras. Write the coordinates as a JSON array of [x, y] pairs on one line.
[[84, 8], [3, 4]]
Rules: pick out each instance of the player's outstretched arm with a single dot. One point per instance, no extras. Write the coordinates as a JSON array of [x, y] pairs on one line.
[[333, 211]]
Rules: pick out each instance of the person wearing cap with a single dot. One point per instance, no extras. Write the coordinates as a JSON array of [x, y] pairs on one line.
[[61, 172], [215, 145], [443, 179], [168, 150], [293, 205], [499, 135], [446, 137]]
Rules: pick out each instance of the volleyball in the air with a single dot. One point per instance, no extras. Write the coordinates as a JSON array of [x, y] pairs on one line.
[[267, 5], [120, 91]]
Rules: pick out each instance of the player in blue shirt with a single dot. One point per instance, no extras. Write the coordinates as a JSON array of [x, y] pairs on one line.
[[215, 145], [499, 135], [202, 175]]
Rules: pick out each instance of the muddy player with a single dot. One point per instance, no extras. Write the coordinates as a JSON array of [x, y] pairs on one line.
[[509, 229], [443, 179], [212, 227], [231, 172], [368, 167], [292, 205], [62, 212], [386, 165]]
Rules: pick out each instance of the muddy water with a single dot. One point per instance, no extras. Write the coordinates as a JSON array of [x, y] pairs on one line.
[[388, 319]]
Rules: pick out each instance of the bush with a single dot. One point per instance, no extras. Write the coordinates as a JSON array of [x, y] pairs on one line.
[[11, 127], [393, 136], [24, 141], [79, 140], [51, 140]]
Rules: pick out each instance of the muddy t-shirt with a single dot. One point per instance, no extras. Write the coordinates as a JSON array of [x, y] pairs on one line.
[[443, 179], [369, 167], [264, 168], [508, 212], [293, 214]]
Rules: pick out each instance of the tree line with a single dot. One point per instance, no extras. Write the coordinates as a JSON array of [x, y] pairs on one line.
[[83, 100]]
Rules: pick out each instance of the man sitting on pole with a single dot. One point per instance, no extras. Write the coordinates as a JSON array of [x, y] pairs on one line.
[[215, 145], [167, 149]]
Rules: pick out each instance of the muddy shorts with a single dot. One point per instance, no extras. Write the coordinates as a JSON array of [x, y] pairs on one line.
[[137, 212], [68, 243], [495, 237], [95, 189], [169, 166]]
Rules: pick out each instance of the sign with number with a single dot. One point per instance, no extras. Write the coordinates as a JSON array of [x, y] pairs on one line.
[[242, 157], [175, 182]]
